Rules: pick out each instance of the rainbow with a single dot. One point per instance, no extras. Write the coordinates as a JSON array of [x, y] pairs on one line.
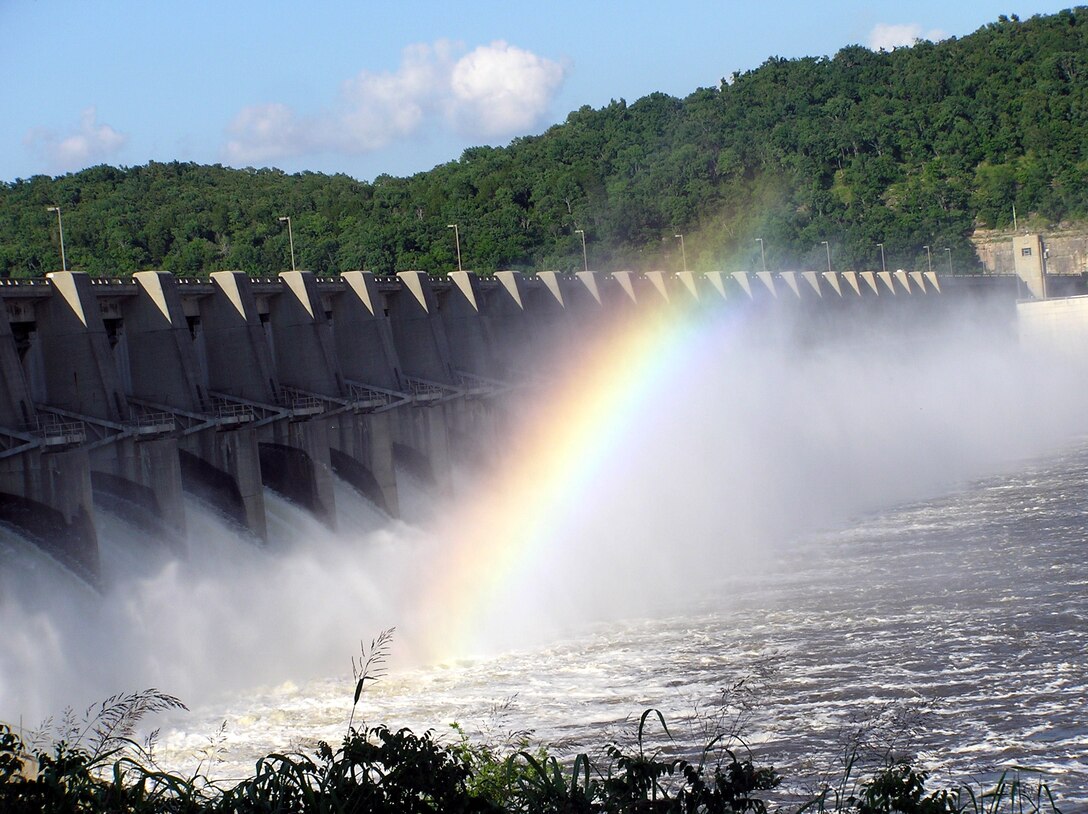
[[501, 539]]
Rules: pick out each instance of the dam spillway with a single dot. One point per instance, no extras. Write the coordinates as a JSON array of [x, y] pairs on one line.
[[125, 395]]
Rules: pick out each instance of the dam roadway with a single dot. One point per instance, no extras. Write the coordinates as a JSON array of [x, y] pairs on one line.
[[123, 396]]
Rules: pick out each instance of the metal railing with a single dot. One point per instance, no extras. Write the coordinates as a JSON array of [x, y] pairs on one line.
[[158, 423], [423, 391], [366, 399], [477, 386], [232, 414], [300, 404], [57, 434], [371, 398]]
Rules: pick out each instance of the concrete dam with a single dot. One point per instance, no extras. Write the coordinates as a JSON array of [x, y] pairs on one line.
[[124, 396]]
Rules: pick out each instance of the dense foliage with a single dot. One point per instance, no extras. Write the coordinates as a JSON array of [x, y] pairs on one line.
[[907, 148], [381, 770]]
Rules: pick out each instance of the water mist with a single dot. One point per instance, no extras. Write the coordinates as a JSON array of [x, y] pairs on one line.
[[741, 443]]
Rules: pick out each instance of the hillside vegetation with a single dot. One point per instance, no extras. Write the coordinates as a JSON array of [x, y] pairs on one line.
[[909, 148]]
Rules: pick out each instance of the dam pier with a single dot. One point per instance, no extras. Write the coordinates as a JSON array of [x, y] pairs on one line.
[[124, 396]]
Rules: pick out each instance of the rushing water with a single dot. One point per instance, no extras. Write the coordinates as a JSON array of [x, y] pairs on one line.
[[876, 538], [962, 622]]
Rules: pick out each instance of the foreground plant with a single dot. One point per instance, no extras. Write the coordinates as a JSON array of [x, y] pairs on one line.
[[894, 786], [91, 763]]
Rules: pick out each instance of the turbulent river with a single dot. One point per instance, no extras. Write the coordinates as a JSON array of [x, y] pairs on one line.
[[954, 629], [864, 544]]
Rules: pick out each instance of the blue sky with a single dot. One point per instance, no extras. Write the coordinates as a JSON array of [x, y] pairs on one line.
[[366, 87]]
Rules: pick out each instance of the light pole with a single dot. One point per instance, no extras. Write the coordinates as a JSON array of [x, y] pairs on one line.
[[762, 255], [929, 259], [585, 259], [949, 252], [60, 229], [291, 238], [457, 242], [883, 265], [683, 253], [828, 247]]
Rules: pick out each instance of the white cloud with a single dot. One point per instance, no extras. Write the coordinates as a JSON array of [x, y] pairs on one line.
[[91, 143], [495, 90], [263, 132], [377, 108], [500, 89], [889, 36]]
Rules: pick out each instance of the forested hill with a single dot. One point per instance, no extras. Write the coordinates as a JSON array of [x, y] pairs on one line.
[[909, 148]]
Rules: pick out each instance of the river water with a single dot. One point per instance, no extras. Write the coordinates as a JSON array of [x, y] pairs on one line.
[[953, 629], [867, 543]]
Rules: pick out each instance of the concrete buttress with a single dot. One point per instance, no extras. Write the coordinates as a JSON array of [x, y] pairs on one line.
[[134, 466], [239, 362], [368, 358], [509, 328], [45, 483], [78, 367], [423, 350], [293, 448], [473, 359], [216, 463]]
